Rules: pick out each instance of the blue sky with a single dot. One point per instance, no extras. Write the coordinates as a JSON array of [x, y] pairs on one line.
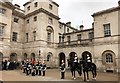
[[78, 11]]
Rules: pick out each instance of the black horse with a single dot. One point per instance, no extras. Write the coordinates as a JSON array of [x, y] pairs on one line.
[[88, 66], [84, 66], [74, 67]]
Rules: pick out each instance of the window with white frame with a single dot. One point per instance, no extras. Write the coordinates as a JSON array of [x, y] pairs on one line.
[[48, 58], [26, 37], [34, 35], [68, 39], [1, 30], [35, 4], [27, 21], [107, 31], [2, 11], [60, 39], [35, 18], [16, 20], [28, 8], [50, 20], [50, 6], [109, 58], [68, 30], [49, 37], [14, 36], [91, 35], [79, 36], [60, 25]]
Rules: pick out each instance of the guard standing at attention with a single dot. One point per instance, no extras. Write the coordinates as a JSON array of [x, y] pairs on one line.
[[44, 67], [62, 68], [40, 68]]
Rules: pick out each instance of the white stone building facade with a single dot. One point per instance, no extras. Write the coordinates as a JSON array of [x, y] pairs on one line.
[[36, 33]]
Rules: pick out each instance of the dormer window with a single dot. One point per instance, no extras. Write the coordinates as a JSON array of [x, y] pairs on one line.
[[50, 6]]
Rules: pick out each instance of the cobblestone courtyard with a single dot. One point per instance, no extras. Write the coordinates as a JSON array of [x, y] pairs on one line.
[[52, 75]]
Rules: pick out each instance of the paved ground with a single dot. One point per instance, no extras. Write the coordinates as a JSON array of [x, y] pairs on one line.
[[51, 75]]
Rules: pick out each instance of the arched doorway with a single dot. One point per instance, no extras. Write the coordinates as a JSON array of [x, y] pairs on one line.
[[25, 56], [13, 57], [50, 62], [49, 56], [33, 56], [61, 57], [72, 55], [86, 56]]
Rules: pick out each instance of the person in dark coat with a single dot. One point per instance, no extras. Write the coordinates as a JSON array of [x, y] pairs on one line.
[[33, 70], [37, 68], [62, 68], [24, 67], [75, 65], [27, 68], [5, 65], [44, 67], [30, 67]]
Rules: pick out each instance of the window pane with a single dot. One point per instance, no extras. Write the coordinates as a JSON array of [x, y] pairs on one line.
[[50, 6], [34, 35], [28, 8], [14, 36], [1, 30], [79, 36], [2, 11], [49, 37], [26, 37], [60, 39], [69, 39], [109, 58], [16, 20], [50, 20], [107, 31], [35, 18], [35, 4]]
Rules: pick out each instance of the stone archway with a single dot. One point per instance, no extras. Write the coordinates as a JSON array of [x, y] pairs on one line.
[[61, 57], [13, 57], [25, 56], [49, 57], [72, 55], [50, 60], [87, 56], [33, 56]]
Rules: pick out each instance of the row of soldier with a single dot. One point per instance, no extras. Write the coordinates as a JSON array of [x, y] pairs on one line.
[[32, 68]]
